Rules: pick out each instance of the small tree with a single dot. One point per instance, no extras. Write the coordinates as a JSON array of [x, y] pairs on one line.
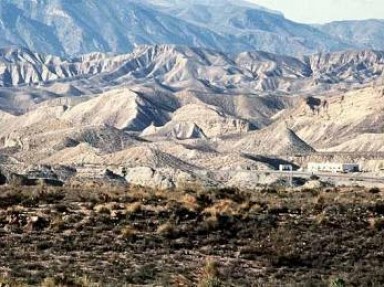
[[124, 171]]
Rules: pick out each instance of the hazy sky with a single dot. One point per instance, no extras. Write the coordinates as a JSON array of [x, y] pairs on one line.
[[321, 11]]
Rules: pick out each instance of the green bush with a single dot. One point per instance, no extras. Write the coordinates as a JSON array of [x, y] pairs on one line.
[[338, 282]]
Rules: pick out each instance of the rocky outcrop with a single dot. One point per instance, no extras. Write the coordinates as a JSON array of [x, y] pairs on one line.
[[147, 177], [50, 173], [168, 179]]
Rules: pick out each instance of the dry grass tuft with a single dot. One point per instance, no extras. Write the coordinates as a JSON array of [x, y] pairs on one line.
[[107, 208], [211, 222], [376, 223], [86, 282], [7, 282], [57, 224], [189, 202], [209, 276], [128, 232], [102, 209], [166, 229], [133, 208], [223, 207], [76, 282], [49, 282]]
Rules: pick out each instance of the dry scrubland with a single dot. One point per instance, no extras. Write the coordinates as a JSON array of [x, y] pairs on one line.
[[134, 237]]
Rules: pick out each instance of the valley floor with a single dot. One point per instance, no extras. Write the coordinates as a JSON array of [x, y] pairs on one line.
[[135, 237]]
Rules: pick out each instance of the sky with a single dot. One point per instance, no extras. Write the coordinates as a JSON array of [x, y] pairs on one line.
[[323, 11]]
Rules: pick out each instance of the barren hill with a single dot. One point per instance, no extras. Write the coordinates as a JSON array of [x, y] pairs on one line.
[[275, 139], [31, 78], [202, 108], [351, 121]]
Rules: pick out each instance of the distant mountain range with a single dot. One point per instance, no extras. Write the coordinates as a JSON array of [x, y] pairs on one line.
[[67, 27], [362, 34]]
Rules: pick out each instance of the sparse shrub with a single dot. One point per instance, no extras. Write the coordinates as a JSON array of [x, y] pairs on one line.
[[7, 282], [102, 209], [49, 282], [133, 208], [211, 269], [374, 190], [141, 193], [128, 232], [85, 281], [50, 195], [338, 282], [314, 177], [69, 281], [378, 207], [210, 282], [209, 276], [227, 207], [272, 189], [320, 218], [166, 229], [256, 208], [17, 180], [145, 273], [211, 223], [189, 186], [189, 202], [376, 223]]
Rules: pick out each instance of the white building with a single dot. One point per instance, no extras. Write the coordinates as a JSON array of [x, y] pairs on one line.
[[333, 167], [285, 167]]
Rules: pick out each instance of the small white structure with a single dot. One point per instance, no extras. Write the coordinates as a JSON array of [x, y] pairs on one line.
[[285, 167], [333, 167]]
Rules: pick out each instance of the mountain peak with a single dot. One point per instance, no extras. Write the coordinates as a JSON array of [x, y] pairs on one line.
[[69, 28], [212, 3]]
